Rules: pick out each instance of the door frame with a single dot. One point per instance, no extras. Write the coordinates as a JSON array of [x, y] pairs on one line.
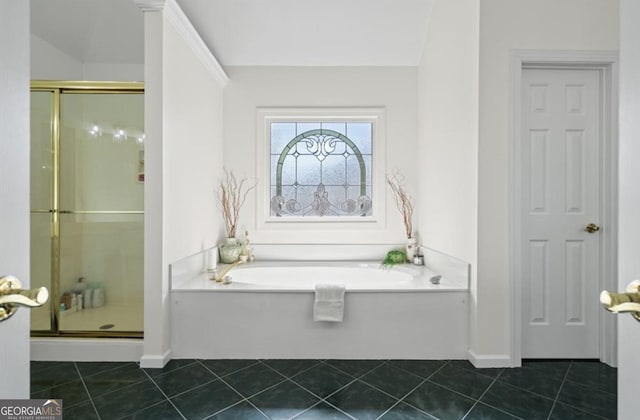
[[606, 63]]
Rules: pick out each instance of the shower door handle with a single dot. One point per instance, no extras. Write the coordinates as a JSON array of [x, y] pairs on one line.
[[12, 296]]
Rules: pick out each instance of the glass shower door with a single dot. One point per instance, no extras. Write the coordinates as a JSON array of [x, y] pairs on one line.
[[87, 191], [101, 211]]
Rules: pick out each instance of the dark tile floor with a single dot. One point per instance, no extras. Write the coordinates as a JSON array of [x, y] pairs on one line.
[[328, 389]]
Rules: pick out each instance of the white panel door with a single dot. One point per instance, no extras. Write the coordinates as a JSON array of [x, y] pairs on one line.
[[14, 191], [561, 136]]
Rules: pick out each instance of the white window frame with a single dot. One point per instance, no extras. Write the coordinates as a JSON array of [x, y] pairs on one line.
[[266, 116]]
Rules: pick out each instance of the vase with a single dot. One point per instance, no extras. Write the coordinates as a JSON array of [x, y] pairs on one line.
[[411, 249], [230, 251]]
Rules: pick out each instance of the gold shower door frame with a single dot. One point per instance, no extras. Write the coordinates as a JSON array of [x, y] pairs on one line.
[[57, 87]]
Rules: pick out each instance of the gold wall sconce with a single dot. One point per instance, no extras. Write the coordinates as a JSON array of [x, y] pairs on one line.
[[12, 296]]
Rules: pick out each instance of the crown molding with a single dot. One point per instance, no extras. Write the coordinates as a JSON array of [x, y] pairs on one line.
[[150, 5], [185, 28]]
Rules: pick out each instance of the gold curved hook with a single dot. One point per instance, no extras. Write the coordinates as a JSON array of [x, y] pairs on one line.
[[13, 296], [623, 302]]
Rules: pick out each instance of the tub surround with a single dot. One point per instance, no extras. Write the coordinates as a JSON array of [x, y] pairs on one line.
[[408, 318]]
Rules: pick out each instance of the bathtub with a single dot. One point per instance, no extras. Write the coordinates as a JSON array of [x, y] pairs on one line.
[[302, 276], [267, 312]]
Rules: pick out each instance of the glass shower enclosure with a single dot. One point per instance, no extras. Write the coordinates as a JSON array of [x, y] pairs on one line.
[[87, 208]]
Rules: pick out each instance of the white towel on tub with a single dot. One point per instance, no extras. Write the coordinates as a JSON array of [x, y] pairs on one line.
[[329, 303]]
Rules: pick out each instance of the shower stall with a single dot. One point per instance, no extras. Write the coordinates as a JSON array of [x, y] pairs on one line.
[[87, 207]]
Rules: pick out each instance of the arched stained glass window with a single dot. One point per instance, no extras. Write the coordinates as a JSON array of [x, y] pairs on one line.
[[321, 168]]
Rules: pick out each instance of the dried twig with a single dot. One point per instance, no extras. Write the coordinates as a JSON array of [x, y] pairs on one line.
[[233, 194], [403, 201]]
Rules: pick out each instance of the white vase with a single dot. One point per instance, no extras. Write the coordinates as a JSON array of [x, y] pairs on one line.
[[230, 251], [411, 249]]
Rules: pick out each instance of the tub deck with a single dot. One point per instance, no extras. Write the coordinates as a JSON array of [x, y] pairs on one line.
[[268, 277]]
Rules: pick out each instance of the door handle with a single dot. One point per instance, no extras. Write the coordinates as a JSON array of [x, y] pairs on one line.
[[592, 228], [623, 302], [12, 296]]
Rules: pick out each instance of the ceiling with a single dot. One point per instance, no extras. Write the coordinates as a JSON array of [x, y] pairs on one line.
[[91, 31], [247, 32]]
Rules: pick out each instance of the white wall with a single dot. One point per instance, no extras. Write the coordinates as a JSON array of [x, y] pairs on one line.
[[393, 88], [50, 63], [506, 25], [192, 150], [448, 134], [14, 190], [183, 160], [629, 198]]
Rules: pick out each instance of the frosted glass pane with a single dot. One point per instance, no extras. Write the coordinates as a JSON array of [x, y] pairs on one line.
[[340, 148], [337, 126], [360, 134], [337, 194], [303, 148], [334, 170], [101, 153], [289, 171], [41, 150], [281, 135], [303, 127], [274, 162], [353, 170], [289, 192], [308, 170], [306, 195]]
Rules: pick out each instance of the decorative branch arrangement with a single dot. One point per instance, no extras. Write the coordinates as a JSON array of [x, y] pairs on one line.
[[403, 201], [233, 194]]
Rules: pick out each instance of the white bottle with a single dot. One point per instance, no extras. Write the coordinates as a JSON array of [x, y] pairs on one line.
[[87, 298], [98, 298], [80, 301], [74, 303]]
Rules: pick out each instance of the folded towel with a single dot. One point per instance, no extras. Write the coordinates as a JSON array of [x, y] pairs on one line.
[[329, 303]]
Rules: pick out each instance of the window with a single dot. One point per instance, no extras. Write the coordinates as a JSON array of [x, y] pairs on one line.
[[320, 166]]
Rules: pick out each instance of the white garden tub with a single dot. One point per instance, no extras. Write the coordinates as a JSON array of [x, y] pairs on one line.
[[267, 312], [301, 276]]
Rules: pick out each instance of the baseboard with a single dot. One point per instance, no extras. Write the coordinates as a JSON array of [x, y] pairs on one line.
[[155, 361], [86, 350], [489, 360]]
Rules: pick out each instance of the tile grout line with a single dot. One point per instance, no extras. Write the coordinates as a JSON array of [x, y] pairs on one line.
[[488, 405], [555, 400], [401, 400], [582, 410], [244, 399], [411, 373], [318, 403], [163, 393], [594, 388], [230, 373], [110, 370], [291, 376], [324, 400], [95, 409]]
